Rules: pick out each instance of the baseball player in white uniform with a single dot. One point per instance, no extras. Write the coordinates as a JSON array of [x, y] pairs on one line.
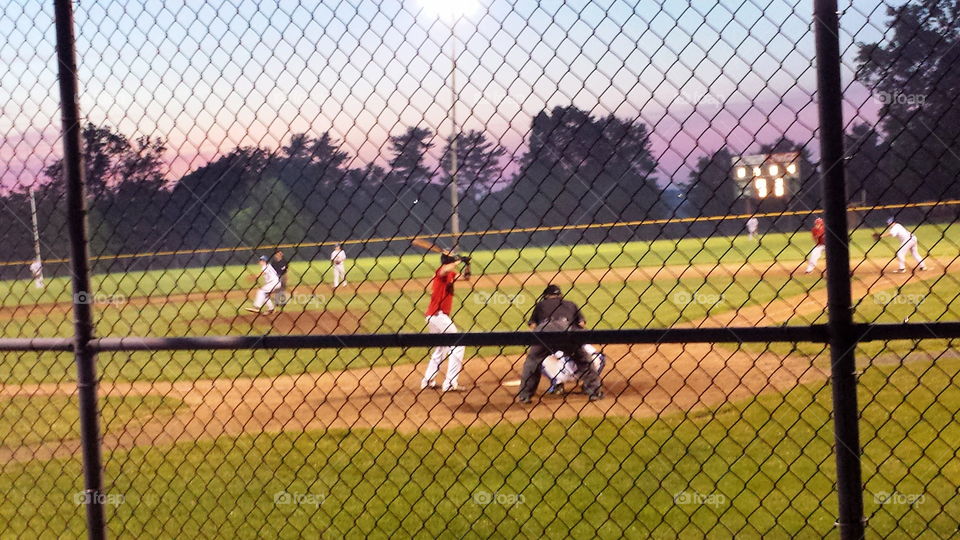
[[36, 270], [271, 285], [338, 258], [560, 369], [752, 225], [908, 243]]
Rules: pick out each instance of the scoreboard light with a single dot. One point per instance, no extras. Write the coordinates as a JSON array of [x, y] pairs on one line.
[[761, 185], [757, 171], [778, 187], [742, 172], [792, 168], [774, 170]]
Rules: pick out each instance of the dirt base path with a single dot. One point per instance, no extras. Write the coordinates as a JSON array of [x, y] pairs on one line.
[[641, 381]]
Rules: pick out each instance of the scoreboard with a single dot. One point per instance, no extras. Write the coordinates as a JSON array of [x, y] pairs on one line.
[[767, 176]]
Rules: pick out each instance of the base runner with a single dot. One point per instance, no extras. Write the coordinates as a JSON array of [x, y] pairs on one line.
[[819, 232], [439, 322], [271, 284], [908, 243]]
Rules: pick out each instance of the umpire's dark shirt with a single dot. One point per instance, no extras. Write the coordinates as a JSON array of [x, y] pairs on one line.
[[554, 308], [280, 266]]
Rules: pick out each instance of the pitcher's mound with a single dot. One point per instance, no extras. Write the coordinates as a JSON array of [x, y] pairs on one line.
[[290, 322]]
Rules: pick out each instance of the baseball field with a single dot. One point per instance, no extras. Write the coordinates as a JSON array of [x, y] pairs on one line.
[[717, 440]]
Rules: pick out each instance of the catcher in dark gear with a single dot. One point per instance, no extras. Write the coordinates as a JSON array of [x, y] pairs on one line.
[[554, 314]]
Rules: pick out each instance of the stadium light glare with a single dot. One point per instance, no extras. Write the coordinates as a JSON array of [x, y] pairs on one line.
[[774, 170], [742, 172], [450, 10], [792, 168], [761, 186], [778, 190], [757, 171]]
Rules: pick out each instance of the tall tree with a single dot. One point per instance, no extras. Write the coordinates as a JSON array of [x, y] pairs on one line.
[[915, 74], [709, 190], [478, 163], [202, 201], [407, 197], [582, 169], [867, 176], [409, 152], [110, 159], [125, 185]]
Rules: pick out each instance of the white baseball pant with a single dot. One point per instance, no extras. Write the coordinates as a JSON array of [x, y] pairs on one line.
[[561, 370], [263, 298], [815, 254], [339, 275], [442, 324], [910, 246]]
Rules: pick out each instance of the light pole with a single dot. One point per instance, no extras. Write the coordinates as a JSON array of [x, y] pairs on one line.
[[454, 166], [451, 11], [37, 267]]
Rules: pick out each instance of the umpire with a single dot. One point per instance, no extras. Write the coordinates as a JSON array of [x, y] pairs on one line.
[[554, 314]]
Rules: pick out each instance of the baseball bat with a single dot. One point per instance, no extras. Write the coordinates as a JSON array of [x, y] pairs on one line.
[[429, 246]]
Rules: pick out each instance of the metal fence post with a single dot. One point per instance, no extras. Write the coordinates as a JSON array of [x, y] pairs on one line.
[[843, 339], [82, 304]]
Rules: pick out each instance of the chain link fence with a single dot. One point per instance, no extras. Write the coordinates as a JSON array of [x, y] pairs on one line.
[[271, 269]]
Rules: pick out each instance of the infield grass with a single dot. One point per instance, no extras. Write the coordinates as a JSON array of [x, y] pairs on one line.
[[639, 304]]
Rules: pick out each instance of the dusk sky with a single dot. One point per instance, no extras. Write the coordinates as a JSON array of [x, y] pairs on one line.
[[209, 77]]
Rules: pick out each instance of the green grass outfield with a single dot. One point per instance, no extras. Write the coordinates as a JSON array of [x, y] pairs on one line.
[[937, 240], [760, 467]]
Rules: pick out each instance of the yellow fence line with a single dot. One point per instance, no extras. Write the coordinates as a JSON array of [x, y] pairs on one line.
[[497, 232]]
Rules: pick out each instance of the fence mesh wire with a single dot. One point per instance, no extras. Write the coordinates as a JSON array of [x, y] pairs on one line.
[[656, 161]]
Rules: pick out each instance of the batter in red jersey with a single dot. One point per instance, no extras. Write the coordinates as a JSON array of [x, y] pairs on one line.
[[439, 322], [819, 232]]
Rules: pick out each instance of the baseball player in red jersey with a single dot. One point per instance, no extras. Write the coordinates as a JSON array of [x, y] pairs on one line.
[[439, 322], [819, 232]]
